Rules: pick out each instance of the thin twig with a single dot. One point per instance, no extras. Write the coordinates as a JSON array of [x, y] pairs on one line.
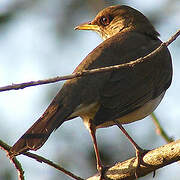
[[172, 38], [38, 158], [52, 164], [159, 129], [6, 148], [14, 160], [88, 72]]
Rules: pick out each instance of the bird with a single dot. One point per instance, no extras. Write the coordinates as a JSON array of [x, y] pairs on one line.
[[114, 97]]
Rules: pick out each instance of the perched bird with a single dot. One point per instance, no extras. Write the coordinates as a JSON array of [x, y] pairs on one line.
[[111, 98]]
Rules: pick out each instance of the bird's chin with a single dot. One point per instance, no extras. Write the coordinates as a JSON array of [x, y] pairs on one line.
[[104, 36]]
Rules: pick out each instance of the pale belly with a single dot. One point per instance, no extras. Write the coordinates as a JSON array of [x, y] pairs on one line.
[[138, 114], [87, 113]]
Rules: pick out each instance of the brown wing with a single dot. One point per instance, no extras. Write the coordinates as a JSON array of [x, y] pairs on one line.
[[130, 88], [109, 89]]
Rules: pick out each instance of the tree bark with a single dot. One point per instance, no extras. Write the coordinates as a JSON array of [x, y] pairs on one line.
[[153, 160]]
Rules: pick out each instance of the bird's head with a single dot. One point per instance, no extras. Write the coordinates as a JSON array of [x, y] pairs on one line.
[[114, 19]]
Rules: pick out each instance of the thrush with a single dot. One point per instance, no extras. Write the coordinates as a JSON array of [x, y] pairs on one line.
[[111, 98]]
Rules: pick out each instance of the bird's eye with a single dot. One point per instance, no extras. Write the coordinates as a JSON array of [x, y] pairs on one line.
[[105, 20]]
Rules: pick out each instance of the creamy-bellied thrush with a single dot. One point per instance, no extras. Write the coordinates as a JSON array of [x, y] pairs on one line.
[[110, 98]]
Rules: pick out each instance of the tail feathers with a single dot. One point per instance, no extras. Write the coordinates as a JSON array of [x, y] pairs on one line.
[[38, 133]]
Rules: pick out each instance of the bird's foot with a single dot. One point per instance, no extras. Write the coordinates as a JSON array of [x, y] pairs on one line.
[[102, 170], [140, 153]]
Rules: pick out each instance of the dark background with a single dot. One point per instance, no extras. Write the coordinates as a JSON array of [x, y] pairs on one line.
[[37, 41]]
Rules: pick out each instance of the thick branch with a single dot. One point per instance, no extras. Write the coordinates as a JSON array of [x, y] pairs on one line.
[[154, 160], [88, 72]]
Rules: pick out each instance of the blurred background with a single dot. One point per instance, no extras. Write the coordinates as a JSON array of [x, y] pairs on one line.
[[38, 41]]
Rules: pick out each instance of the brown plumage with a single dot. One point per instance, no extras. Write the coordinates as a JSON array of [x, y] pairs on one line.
[[109, 98]]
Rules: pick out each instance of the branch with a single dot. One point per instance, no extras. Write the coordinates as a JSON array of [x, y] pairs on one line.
[[14, 160], [154, 160], [159, 129], [38, 158], [52, 164], [88, 72]]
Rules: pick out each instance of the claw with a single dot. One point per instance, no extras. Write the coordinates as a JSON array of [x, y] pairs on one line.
[[140, 153], [102, 170]]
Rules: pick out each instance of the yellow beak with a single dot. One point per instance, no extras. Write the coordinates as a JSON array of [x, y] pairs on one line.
[[87, 26]]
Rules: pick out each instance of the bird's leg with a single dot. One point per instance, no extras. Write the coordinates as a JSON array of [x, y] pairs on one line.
[[139, 151], [100, 166]]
